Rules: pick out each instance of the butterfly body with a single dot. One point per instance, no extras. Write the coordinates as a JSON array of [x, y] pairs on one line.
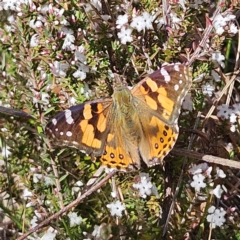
[[132, 125]]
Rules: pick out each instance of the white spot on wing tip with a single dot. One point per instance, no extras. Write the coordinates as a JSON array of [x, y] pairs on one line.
[[176, 67], [165, 74], [61, 133], [69, 134], [176, 87], [68, 116], [54, 121]]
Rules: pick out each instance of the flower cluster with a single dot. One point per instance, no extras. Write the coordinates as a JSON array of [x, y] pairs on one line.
[[74, 219], [139, 22], [200, 172], [222, 23], [208, 88], [231, 113]]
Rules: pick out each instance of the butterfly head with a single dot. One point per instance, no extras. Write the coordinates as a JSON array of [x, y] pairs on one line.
[[119, 83]]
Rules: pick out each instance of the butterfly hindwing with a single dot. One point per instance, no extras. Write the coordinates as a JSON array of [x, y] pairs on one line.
[[120, 153], [158, 139]]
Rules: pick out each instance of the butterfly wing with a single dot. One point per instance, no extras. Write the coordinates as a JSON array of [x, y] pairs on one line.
[[157, 141], [160, 96], [83, 126], [164, 90], [121, 152]]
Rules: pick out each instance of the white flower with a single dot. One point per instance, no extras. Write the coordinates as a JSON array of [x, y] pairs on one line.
[[27, 194], [236, 107], [144, 186], [50, 234], [81, 71], [198, 168], [148, 19], [97, 4], [175, 20], [220, 22], [217, 191], [233, 128], [34, 41], [208, 89], [11, 19], [35, 23], [37, 177], [80, 74], [233, 28], [60, 69], [48, 181], [12, 5], [160, 22], [116, 208], [33, 222], [142, 22], [68, 42], [35, 218], [138, 23], [125, 35], [79, 54], [182, 3], [86, 91], [215, 76], [6, 151], [224, 111], [230, 17], [220, 173], [233, 118], [101, 232], [113, 194], [121, 20], [197, 182], [216, 216], [45, 98], [187, 102], [72, 101], [74, 219], [217, 57], [77, 187]]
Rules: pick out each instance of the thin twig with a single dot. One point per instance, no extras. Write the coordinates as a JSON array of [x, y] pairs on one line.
[[206, 35], [208, 158], [15, 112]]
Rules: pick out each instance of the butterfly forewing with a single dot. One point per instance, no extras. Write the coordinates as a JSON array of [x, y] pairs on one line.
[[84, 126], [164, 90]]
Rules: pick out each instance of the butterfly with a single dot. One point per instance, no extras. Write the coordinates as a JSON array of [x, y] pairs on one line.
[[132, 125]]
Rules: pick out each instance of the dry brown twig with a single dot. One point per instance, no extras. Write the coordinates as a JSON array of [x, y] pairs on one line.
[[208, 158]]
